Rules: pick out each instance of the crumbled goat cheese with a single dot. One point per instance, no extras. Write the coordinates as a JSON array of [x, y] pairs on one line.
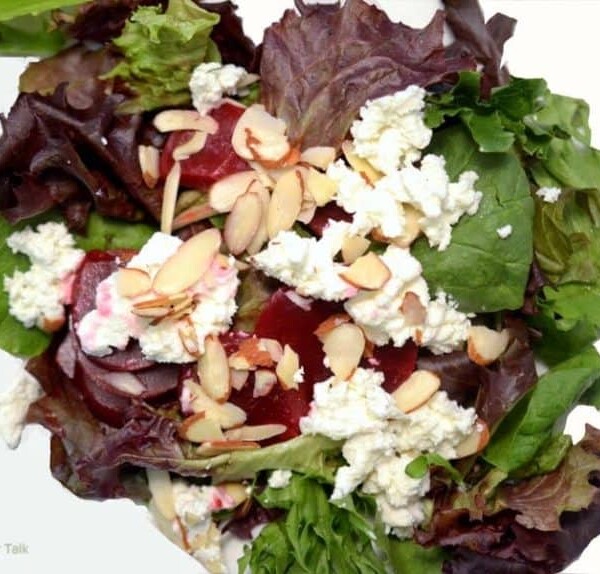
[[14, 406], [299, 376], [211, 81], [391, 132], [379, 312], [280, 478], [194, 506], [307, 264], [549, 194], [112, 323], [37, 296], [504, 232], [381, 441]]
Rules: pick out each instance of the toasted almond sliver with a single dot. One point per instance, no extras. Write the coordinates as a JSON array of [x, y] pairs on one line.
[[368, 272], [255, 433], [262, 235], [125, 382], [151, 312], [165, 301], [321, 187], [227, 415], [286, 203], [240, 363], [188, 264], [214, 448], [194, 145], [353, 248], [273, 347], [132, 282], [362, 166], [161, 489], [344, 347], [179, 120], [319, 156], [413, 310], [475, 442], [412, 227], [192, 215], [264, 381], [213, 370], [224, 193], [51, 325], [242, 223], [238, 378], [416, 390], [237, 491], [169, 200], [287, 368], [199, 428], [484, 346], [149, 158], [331, 323], [254, 353], [189, 339]]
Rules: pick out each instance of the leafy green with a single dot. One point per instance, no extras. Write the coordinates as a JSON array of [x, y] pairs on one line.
[[481, 271], [419, 467], [530, 424], [15, 8], [104, 233], [315, 535], [407, 557], [30, 36], [548, 458], [160, 52]]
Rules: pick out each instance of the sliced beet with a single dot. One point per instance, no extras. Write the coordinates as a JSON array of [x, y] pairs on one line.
[[324, 214], [160, 380], [66, 355], [96, 267], [397, 364], [216, 160]]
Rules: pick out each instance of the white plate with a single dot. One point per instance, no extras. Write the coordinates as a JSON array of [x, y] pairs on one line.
[[555, 39]]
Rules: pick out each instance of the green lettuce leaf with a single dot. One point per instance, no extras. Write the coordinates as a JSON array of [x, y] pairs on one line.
[[408, 557], [481, 271], [160, 52], [419, 467], [104, 233], [15, 8], [30, 36], [530, 424]]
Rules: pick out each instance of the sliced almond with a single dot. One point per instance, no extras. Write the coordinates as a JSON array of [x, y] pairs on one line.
[[213, 370], [319, 156], [125, 382], [262, 234], [240, 363], [416, 390], [254, 353], [273, 347], [161, 489], [227, 415], [321, 187], [255, 433], [149, 158], [51, 324], [238, 379], [132, 282], [360, 165], [192, 215], [198, 428], [242, 223], [214, 448], [484, 346], [264, 381], [189, 198], [194, 145], [287, 368], [189, 339], [331, 323], [180, 120], [237, 491], [353, 248], [151, 312], [286, 203], [169, 199], [344, 347], [163, 301], [224, 193], [475, 442], [412, 227], [368, 272], [188, 264], [413, 310]]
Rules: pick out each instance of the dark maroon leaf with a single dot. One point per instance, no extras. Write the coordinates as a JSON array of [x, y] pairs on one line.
[[537, 281], [319, 69], [243, 523]]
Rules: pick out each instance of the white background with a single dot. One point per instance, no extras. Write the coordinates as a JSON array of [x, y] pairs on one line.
[[555, 39]]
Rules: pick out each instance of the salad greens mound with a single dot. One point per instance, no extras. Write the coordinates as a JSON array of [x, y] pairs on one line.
[[84, 146]]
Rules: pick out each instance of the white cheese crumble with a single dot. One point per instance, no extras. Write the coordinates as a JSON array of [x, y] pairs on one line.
[[391, 132], [280, 478], [298, 377], [14, 405], [37, 296], [307, 264], [379, 313], [112, 323], [504, 232], [381, 441], [549, 194], [211, 81]]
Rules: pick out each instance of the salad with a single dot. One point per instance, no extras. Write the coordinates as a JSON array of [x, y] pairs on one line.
[[333, 295]]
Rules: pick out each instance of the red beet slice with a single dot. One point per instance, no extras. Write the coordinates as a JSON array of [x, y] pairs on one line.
[[397, 364], [216, 160], [96, 267], [324, 214]]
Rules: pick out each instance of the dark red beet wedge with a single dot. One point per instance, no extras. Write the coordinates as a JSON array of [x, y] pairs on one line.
[[324, 214]]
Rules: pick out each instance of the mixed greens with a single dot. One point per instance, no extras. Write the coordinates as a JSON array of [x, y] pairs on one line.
[[529, 502]]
